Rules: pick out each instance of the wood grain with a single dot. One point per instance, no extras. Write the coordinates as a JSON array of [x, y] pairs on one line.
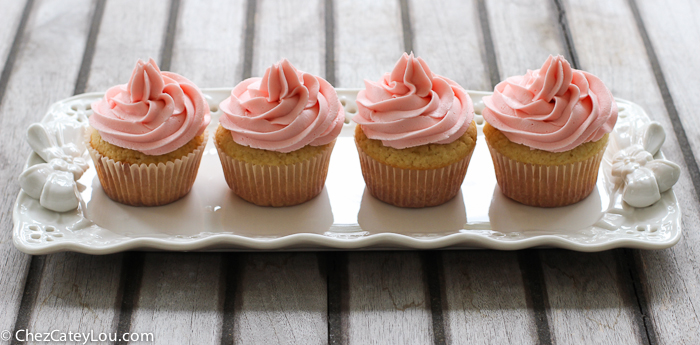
[[11, 15], [447, 36], [44, 72], [281, 300], [209, 41], [525, 33], [621, 61], [485, 299], [130, 30], [472, 307], [78, 293], [673, 276], [180, 298], [289, 29], [368, 40], [70, 280], [587, 305], [387, 299]]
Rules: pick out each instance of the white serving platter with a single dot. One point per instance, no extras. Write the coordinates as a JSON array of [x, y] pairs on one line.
[[344, 216]]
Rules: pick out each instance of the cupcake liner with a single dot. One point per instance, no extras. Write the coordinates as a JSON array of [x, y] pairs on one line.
[[413, 187], [546, 185], [271, 185], [147, 184]]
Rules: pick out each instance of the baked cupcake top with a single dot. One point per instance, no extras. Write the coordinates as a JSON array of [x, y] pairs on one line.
[[283, 111], [555, 108], [412, 106], [155, 113]]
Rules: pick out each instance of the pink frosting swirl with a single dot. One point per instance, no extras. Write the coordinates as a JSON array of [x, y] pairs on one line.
[[411, 106], [284, 111], [155, 113], [554, 108]]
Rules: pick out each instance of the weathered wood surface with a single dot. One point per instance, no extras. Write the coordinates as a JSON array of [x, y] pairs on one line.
[[180, 299], [621, 61], [485, 301], [673, 276], [545, 296], [291, 29], [209, 42], [281, 299], [385, 291], [46, 65], [69, 280], [571, 279]]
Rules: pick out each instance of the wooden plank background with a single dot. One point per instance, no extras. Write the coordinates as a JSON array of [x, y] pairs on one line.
[[644, 50]]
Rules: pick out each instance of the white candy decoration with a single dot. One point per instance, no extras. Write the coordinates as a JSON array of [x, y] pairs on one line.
[[644, 178], [53, 182]]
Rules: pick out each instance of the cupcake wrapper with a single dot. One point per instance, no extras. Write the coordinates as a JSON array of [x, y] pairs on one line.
[[413, 187], [147, 184], [545, 185], [270, 185]]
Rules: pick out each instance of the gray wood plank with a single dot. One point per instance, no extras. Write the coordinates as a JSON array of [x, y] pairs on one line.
[[181, 295], [281, 300], [474, 311], [524, 34], [180, 298], [130, 30], [447, 36], [673, 275], [368, 40], [11, 15], [209, 41], [388, 302], [78, 293], [44, 72], [126, 33], [295, 30], [289, 29], [485, 299], [621, 61], [587, 302]]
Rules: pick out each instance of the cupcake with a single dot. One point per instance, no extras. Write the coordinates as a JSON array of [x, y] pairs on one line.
[[276, 135], [148, 136], [547, 132], [415, 135]]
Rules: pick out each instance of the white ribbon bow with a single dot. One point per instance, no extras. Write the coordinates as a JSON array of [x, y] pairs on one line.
[[644, 177], [53, 183]]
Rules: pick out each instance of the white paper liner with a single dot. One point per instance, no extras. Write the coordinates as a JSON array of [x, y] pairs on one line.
[[271, 185], [413, 187], [147, 184], [545, 185]]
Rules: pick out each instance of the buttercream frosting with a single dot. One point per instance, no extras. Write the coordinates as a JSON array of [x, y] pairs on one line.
[[155, 113], [412, 106], [283, 111], [555, 108]]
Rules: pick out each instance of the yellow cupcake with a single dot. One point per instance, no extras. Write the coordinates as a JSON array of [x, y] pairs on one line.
[[541, 178], [270, 178], [547, 132], [145, 154], [415, 135], [422, 157], [275, 142]]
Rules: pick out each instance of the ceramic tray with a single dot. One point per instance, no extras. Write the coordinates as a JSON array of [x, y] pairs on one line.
[[344, 215]]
